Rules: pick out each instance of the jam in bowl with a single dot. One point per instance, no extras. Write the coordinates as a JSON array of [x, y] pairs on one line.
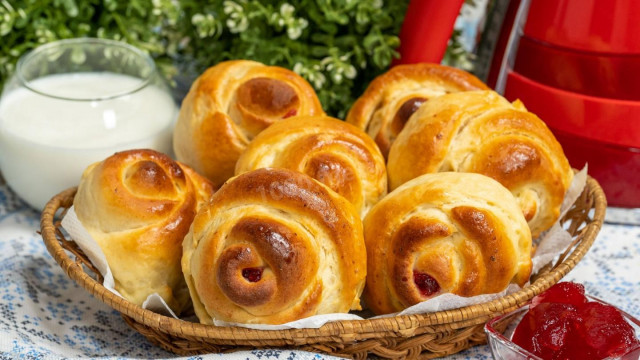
[[564, 323]]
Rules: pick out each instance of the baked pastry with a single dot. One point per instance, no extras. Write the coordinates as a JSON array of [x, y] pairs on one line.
[[458, 233], [273, 246], [138, 206], [392, 97], [329, 150], [228, 105], [481, 132]]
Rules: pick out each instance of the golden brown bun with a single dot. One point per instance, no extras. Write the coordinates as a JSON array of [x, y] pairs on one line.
[[481, 132], [138, 206], [329, 150], [228, 105], [392, 97], [273, 246], [465, 232]]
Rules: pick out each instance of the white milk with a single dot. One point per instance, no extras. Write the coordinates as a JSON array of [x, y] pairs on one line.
[[46, 143]]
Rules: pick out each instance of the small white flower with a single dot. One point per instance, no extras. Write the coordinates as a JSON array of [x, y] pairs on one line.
[[294, 31], [206, 25], [237, 21], [319, 81], [313, 74], [287, 10], [350, 72], [286, 19], [231, 7], [197, 18]]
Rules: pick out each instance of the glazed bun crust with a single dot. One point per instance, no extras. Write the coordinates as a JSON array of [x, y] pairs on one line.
[[458, 233], [331, 151], [481, 132], [391, 98], [228, 105], [274, 246], [138, 206]]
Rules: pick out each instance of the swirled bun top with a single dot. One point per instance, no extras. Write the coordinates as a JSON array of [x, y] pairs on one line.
[[481, 132], [457, 233], [138, 206], [331, 151], [228, 105], [273, 246], [390, 99]]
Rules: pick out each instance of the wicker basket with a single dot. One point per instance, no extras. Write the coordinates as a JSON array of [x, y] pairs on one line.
[[427, 336]]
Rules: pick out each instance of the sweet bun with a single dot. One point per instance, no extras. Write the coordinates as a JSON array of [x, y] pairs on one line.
[[273, 246], [458, 233], [329, 150], [481, 132], [138, 206], [228, 105], [392, 97]]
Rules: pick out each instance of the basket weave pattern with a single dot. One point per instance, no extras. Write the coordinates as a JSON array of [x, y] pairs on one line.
[[410, 336]]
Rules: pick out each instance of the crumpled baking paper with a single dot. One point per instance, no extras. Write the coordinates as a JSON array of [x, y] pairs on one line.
[[80, 235], [551, 243]]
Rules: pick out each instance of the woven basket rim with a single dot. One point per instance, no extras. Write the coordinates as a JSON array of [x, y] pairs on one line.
[[347, 330]]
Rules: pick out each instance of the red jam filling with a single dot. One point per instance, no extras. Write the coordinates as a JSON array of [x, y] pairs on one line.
[[252, 274], [290, 113], [426, 284], [562, 324]]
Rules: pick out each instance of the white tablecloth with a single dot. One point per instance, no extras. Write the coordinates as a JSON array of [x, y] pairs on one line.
[[44, 314]]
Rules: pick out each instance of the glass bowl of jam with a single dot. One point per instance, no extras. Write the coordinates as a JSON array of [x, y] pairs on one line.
[[564, 323]]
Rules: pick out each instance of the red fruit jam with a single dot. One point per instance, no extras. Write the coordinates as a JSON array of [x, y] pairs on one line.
[[252, 274], [605, 330], [290, 113], [426, 284], [562, 324], [564, 292]]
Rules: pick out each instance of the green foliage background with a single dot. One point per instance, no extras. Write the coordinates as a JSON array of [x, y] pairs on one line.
[[338, 45]]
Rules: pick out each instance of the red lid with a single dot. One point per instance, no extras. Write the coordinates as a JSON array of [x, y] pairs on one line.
[[608, 120], [604, 75], [609, 26]]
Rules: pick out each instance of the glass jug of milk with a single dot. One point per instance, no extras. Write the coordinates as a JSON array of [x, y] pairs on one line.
[[74, 102]]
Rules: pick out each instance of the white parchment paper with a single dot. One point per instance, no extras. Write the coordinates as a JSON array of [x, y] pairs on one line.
[[80, 235], [551, 243]]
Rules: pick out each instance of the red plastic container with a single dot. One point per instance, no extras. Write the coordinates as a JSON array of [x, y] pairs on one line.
[[603, 26], [615, 76], [577, 66], [603, 132], [616, 167], [607, 120]]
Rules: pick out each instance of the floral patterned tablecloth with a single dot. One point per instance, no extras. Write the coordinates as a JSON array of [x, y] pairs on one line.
[[44, 314]]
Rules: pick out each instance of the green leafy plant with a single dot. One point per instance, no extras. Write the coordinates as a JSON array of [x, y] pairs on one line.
[[338, 45]]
